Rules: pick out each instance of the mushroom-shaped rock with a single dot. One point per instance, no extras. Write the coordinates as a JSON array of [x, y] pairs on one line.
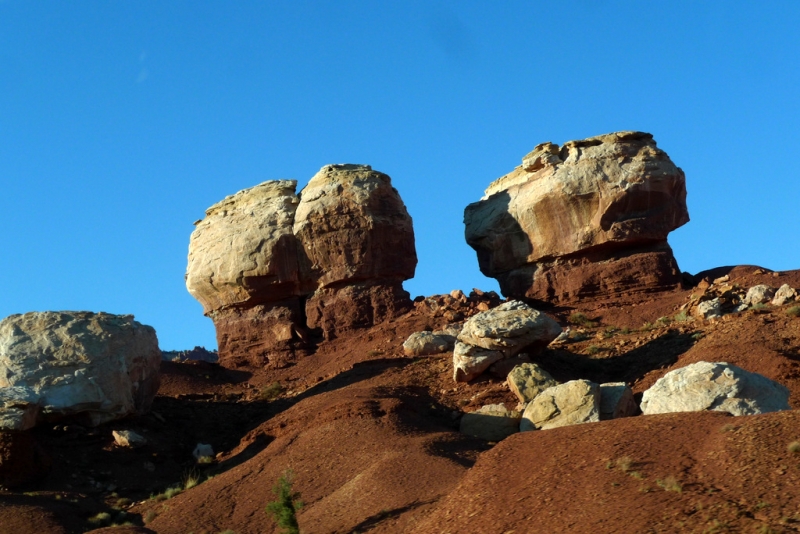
[[358, 244], [94, 365], [715, 386], [570, 403], [243, 268], [590, 218]]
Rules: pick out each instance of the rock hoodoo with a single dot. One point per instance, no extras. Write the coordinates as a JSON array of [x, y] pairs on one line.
[[587, 219], [55, 364], [267, 263]]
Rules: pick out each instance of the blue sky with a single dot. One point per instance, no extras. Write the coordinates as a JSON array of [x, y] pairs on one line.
[[121, 122]]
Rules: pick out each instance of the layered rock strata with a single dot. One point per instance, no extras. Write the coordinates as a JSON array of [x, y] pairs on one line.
[[587, 219], [268, 264]]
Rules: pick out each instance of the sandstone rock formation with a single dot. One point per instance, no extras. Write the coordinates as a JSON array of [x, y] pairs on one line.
[[758, 294], [425, 343], [55, 364], [492, 422], [498, 334], [587, 219], [720, 387], [571, 403], [266, 263]]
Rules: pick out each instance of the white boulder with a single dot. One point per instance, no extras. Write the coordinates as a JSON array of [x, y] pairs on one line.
[[571, 403], [784, 294], [55, 364], [425, 343], [509, 328], [714, 386]]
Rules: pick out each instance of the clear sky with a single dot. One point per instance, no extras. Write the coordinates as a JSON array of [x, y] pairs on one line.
[[122, 121]]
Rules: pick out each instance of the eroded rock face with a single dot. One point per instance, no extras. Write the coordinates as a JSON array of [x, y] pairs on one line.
[[266, 265], [714, 386], [358, 243], [589, 218], [55, 364]]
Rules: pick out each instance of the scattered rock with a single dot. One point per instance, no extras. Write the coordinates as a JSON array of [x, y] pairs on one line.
[[616, 401], [526, 381], [425, 343], [55, 364], [760, 294], [470, 361], [709, 309], [503, 367], [718, 387], [492, 422], [784, 294], [571, 403], [128, 438], [590, 218]]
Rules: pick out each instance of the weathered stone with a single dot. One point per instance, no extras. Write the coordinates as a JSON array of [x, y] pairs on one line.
[[709, 309], [588, 219], [526, 381], [784, 294], [616, 401], [425, 343], [355, 231], [717, 386], [503, 367], [470, 361], [509, 328], [492, 422], [571, 403], [128, 438], [760, 294], [55, 364]]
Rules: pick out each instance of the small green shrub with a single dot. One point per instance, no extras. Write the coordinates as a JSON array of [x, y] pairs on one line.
[[682, 317], [794, 447], [646, 327], [580, 319], [102, 518], [794, 311], [625, 330], [664, 320], [593, 349], [670, 483], [284, 509], [271, 392], [759, 306], [697, 336]]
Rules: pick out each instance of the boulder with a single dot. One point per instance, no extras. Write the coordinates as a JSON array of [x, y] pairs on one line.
[[96, 365], [571, 403], [616, 401], [425, 343], [492, 422], [128, 438], [358, 246], [470, 361], [526, 381], [503, 367], [760, 294], [717, 386], [509, 328], [587, 219], [709, 309], [784, 294]]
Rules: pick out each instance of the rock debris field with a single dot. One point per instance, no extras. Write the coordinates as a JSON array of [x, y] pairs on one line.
[[604, 390]]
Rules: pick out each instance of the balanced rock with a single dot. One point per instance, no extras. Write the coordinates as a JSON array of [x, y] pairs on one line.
[[55, 364], [492, 422], [243, 268], [784, 294], [616, 401], [267, 265], [589, 218], [571, 403], [526, 381], [500, 333], [358, 248], [717, 386], [425, 343]]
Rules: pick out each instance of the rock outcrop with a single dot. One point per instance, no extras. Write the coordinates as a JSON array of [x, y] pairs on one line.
[[500, 333], [587, 219], [720, 387], [266, 263], [97, 366]]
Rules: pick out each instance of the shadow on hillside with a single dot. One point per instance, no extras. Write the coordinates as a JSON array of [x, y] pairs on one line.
[[375, 520], [629, 367]]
